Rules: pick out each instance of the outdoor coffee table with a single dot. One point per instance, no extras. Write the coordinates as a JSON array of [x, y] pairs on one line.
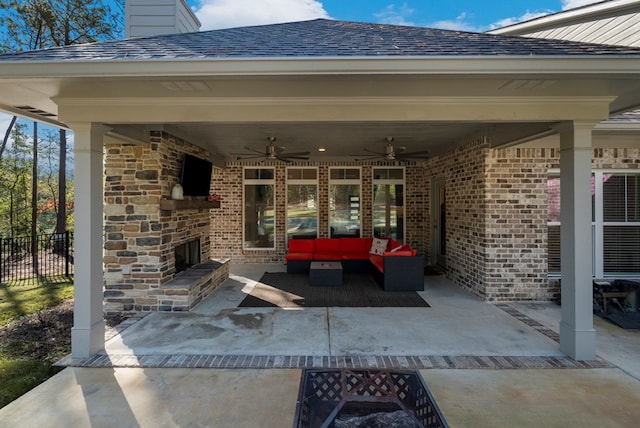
[[325, 273]]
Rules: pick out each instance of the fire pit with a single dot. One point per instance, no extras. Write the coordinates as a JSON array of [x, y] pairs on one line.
[[352, 398]]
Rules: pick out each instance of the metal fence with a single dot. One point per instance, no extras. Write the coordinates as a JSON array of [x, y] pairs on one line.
[[44, 256]]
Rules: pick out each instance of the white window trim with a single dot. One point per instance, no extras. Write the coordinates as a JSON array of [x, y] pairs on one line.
[[598, 223], [301, 181], [255, 181], [402, 181], [345, 181]]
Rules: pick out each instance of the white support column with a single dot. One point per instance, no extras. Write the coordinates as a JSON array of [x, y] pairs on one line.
[[87, 334], [577, 336]]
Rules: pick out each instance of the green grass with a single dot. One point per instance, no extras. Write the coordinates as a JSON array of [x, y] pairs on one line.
[[22, 298], [18, 376], [26, 360]]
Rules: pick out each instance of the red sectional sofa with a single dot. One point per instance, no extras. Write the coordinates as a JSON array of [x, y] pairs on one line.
[[397, 268]]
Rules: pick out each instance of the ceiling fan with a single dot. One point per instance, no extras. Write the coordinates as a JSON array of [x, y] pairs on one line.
[[392, 153], [272, 152]]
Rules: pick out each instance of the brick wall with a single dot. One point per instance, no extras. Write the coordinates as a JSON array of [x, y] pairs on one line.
[[464, 174], [226, 222], [516, 224], [496, 216]]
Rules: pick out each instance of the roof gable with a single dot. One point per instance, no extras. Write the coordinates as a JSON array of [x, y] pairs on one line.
[[315, 39]]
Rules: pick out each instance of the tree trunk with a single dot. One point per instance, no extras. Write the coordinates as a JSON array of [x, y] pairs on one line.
[[34, 202], [61, 219], [7, 135]]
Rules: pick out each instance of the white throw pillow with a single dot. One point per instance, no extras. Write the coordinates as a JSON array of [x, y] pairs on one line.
[[378, 246]]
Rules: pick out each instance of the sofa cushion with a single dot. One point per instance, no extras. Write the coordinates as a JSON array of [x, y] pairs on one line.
[[301, 246], [377, 261], [378, 246], [355, 248], [327, 245], [327, 249], [393, 244], [355, 245], [404, 247]]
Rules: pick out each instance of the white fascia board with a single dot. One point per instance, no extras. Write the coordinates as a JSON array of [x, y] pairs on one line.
[[565, 17], [618, 126], [443, 65]]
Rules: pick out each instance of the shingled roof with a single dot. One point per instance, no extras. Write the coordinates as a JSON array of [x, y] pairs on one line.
[[315, 39]]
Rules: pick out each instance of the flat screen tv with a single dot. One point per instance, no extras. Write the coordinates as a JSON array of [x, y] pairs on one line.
[[196, 176]]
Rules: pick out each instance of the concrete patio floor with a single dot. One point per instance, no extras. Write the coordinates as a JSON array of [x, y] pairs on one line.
[[223, 366]]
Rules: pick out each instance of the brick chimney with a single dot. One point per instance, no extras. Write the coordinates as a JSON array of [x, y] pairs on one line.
[[155, 17]]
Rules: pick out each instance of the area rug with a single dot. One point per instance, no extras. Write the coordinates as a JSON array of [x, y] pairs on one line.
[[288, 290]]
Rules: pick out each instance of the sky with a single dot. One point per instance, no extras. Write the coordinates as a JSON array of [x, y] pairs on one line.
[[464, 15]]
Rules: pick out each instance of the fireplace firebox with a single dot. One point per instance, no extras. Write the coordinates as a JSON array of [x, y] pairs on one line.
[[187, 255]]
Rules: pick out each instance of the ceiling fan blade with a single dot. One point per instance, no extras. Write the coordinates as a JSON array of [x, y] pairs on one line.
[[367, 157], [377, 153], [411, 158], [296, 154], [420, 153], [294, 157], [260, 152], [248, 154], [242, 156]]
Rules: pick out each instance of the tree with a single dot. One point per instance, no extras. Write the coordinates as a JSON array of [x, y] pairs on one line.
[[7, 134], [39, 24], [15, 174], [34, 200]]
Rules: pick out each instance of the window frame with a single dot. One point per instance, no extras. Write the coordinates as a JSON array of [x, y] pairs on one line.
[[390, 181], [258, 181], [347, 182], [301, 181], [598, 224]]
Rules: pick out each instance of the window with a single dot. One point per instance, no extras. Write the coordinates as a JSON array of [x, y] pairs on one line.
[[388, 203], [302, 203], [616, 223], [259, 212], [344, 202], [620, 224]]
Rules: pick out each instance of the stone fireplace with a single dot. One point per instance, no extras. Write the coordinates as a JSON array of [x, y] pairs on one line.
[[142, 232]]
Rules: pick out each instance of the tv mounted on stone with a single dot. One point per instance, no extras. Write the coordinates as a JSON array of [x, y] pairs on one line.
[[196, 176]]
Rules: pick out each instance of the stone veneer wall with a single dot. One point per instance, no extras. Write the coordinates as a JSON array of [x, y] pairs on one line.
[[139, 237], [226, 230]]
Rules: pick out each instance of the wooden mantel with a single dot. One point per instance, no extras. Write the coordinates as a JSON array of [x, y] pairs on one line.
[[188, 204]]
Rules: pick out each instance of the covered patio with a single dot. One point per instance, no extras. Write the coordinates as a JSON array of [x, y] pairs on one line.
[[485, 364], [457, 327], [217, 91]]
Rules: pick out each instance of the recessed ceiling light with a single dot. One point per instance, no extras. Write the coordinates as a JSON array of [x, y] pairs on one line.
[[322, 149]]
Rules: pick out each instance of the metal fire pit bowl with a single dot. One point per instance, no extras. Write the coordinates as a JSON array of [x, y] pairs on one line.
[[327, 395]]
